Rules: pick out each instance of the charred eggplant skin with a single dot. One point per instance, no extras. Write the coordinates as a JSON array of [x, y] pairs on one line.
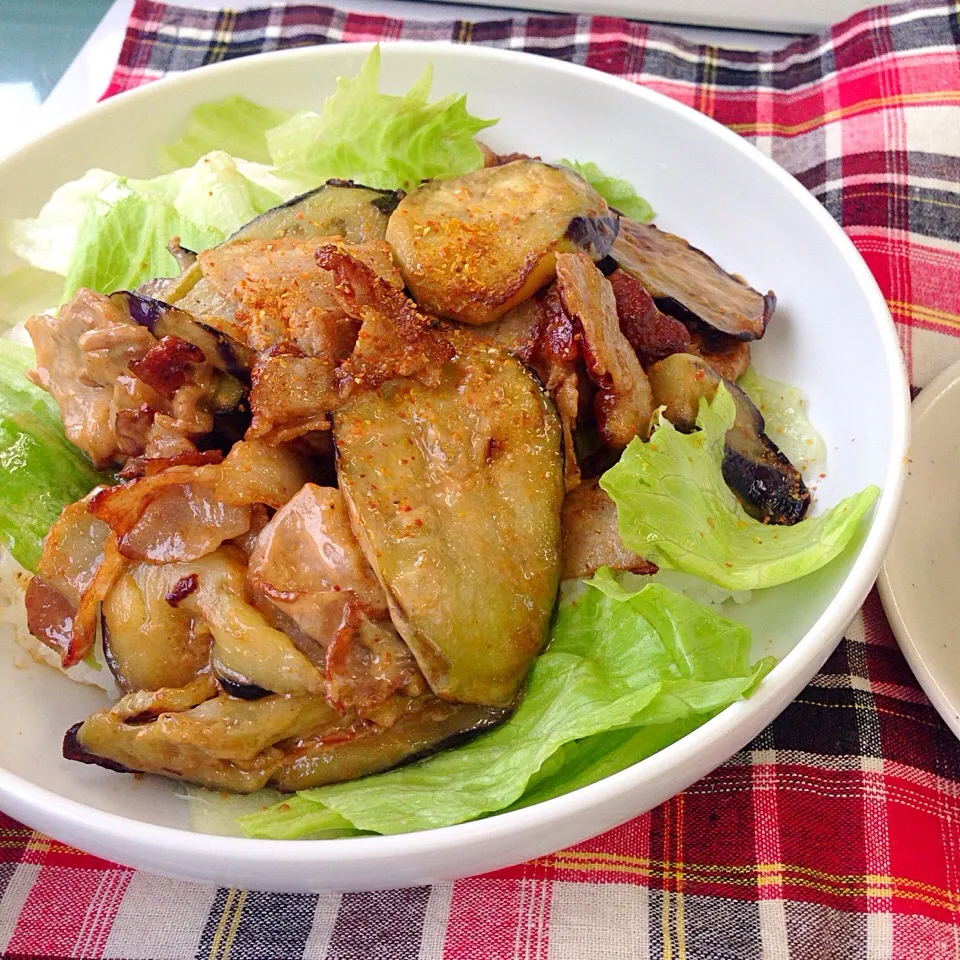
[[768, 486], [74, 750], [455, 493], [688, 284]]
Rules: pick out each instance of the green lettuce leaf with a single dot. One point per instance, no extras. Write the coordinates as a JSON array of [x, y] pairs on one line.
[[123, 238], [108, 232], [616, 660], [26, 291], [47, 240], [674, 507], [618, 193], [787, 425], [40, 470], [235, 125], [377, 139]]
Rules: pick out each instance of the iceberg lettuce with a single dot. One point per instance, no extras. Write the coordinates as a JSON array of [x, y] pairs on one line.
[[674, 507], [648, 665]]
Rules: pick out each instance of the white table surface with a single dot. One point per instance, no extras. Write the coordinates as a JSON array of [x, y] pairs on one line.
[[87, 77]]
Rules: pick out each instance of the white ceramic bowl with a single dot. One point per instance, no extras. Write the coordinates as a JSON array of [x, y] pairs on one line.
[[832, 335]]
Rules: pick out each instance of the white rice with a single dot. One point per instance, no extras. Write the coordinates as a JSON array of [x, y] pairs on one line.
[[13, 618]]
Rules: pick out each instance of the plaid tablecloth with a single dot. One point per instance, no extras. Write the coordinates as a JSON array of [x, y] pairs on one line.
[[836, 833]]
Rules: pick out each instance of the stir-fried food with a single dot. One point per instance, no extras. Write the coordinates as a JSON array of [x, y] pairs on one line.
[[358, 446]]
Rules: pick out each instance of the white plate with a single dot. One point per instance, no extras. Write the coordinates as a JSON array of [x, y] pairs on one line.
[[832, 336], [918, 583]]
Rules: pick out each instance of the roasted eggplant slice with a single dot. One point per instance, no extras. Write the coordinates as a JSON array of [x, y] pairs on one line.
[[455, 493], [244, 644], [430, 726], [766, 483], [148, 642], [472, 247], [293, 742], [340, 208], [163, 320], [198, 734], [687, 284]]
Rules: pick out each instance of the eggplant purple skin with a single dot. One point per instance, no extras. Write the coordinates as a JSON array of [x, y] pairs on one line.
[[73, 750], [648, 254], [596, 235], [767, 484], [386, 203], [784, 499], [497, 717], [152, 313], [673, 308], [238, 686]]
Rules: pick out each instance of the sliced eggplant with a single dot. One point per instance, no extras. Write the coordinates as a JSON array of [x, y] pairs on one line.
[[199, 734], [687, 284], [235, 684], [293, 742], [163, 320], [472, 247], [148, 643], [340, 208], [455, 493], [245, 646], [419, 733], [766, 483], [170, 289]]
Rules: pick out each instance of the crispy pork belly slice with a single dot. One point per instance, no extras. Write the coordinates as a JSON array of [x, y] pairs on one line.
[[184, 512], [280, 294], [78, 566], [308, 566], [172, 516], [395, 338], [766, 483], [652, 334], [591, 538], [623, 404], [685, 282], [291, 394], [472, 247]]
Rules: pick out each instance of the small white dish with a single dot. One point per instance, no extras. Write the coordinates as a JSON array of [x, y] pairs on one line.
[[832, 336], [918, 583]]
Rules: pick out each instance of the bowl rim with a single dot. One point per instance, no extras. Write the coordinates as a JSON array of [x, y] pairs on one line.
[[44, 806]]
